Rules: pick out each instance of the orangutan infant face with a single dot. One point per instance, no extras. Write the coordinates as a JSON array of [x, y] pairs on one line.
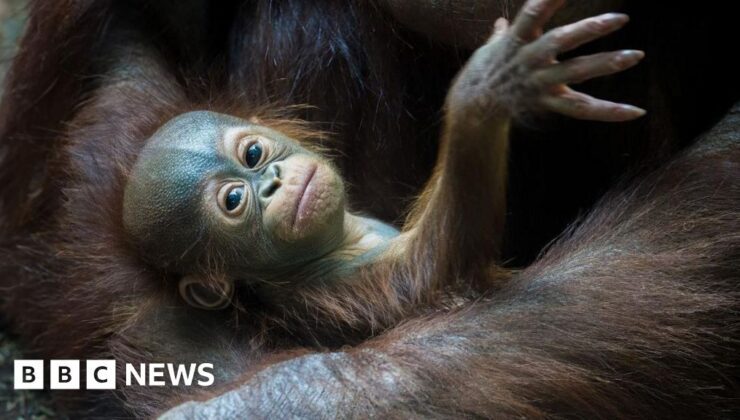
[[247, 196]]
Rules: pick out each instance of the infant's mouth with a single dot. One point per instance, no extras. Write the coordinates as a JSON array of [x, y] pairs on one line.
[[304, 198]]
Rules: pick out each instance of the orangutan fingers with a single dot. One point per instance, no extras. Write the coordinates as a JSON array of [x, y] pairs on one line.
[[588, 67], [532, 18], [569, 37], [584, 107]]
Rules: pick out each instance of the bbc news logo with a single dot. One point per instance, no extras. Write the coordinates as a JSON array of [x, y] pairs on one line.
[[101, 374]]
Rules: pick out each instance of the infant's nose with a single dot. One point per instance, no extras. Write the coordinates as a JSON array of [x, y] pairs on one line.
[[270, 181]]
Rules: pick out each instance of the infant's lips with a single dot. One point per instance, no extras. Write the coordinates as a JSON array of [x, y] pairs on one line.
[[304, 197]]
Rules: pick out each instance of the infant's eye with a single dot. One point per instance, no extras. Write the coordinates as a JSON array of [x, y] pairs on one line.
[[253, 155], [234, 198]]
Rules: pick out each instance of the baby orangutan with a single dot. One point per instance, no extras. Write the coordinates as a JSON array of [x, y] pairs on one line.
[[233, 208]]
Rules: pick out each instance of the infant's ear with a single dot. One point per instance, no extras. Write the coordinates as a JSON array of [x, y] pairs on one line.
[[206, 293]]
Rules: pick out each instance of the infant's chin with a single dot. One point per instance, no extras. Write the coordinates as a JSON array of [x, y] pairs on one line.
[[310, 205]]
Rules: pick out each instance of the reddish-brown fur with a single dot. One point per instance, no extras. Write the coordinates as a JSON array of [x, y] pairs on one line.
[[634, 312]]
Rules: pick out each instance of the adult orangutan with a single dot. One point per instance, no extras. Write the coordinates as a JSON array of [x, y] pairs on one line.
[[620, 318]]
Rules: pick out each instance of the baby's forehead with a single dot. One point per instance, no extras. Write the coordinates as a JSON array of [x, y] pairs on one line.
[[188, 131], [205, 129], [174, 163], [187, 139], [196, 143]]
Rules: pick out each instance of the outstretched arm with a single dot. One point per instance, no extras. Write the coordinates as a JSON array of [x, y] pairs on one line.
[[455, 229]]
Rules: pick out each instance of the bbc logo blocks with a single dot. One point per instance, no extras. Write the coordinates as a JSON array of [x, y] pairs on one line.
[[64, 374], [101, 374], [28, 374]]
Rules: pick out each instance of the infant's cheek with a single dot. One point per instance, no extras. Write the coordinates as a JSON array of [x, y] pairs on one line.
[[318, 214], [278, 218], [321, 210]]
